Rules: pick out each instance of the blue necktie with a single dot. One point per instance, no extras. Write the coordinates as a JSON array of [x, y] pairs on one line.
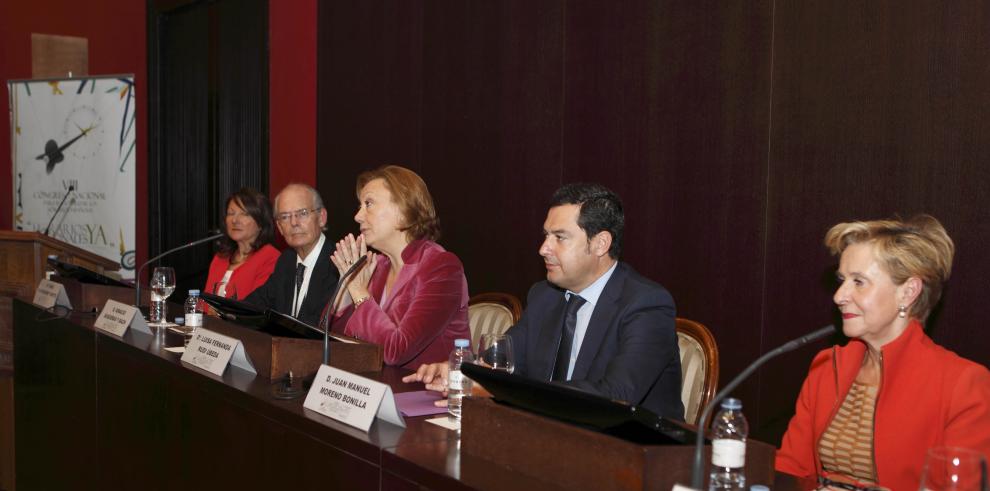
[[567, 338]]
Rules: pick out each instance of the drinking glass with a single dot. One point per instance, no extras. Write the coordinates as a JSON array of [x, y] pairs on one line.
[[495, 352], [162, 285], [954, 469]]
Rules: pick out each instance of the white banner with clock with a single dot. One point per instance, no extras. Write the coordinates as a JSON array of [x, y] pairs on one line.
[[74, 139]]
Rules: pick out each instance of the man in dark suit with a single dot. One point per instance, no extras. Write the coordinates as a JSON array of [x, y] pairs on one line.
[[303, 277], [594, 324]]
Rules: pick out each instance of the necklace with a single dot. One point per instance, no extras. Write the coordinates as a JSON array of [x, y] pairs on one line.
[[239, 257]]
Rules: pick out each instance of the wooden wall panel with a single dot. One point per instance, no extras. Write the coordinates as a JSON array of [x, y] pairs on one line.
[[668, 105], [441, 89], [736, 134], [491, 133], [368, 97], [877, 111]]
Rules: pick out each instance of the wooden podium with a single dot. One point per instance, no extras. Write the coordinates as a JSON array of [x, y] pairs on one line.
[[23, 257]]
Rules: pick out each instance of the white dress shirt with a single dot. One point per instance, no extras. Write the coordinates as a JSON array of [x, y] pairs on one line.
[[310, 263], [590, 295]]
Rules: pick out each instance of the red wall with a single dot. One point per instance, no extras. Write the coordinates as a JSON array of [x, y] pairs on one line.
[[116, 33], [117, 44], [292, 93]]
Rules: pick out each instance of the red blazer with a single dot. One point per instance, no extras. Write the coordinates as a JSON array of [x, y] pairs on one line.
[[250, 275], [425, 311], [929, 397]]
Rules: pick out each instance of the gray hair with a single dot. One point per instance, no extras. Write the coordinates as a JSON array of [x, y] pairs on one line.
[[317, 199]]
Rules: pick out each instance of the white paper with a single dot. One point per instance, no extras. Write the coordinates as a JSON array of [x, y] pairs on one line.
[[446, 422], [49, 294], [351, 399], [343, 340]]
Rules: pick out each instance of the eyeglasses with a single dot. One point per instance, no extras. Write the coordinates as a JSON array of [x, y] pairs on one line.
[[300, 215]]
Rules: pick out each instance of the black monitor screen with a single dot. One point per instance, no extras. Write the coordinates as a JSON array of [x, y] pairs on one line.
[[266, 320], [591, 411], [83, 275]]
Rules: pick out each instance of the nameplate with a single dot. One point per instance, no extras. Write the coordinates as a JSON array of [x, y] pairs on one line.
[[49, 294], [116, 317], [352, 399], [213, 351]]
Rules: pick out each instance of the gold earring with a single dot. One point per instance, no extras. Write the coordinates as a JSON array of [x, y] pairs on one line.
[[902, 311]]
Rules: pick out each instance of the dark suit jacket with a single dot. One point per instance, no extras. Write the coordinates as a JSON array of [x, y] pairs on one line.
[[629, 350], [277, 292]]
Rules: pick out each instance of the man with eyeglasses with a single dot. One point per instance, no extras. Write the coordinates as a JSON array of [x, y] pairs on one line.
[[303, 278]]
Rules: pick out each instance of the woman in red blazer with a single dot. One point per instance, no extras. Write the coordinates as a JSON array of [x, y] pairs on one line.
[[245, 257], [870, 410], [411, 296]]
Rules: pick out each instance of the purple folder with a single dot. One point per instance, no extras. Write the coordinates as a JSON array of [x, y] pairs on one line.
[[419, 403]]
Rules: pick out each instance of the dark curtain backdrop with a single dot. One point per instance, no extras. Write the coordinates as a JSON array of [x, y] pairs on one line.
[[736, 132], [208, 71]]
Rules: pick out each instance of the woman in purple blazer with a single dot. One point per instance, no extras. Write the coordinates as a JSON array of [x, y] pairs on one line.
[[411, 296]]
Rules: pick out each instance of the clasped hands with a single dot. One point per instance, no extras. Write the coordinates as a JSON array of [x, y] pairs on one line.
[[349, 250]]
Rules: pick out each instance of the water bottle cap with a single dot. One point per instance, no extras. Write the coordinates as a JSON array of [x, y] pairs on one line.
[[180, 320], [193, 292], [731, 403], [462, 343]]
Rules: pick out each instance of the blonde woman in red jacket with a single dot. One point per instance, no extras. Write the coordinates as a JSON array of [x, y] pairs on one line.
[[869, 411]]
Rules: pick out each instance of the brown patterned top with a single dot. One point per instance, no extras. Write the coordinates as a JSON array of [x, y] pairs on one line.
[[846, 447]]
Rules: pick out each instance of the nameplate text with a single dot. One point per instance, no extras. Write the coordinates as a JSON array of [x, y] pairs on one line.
[[49, 294], [352, 399]]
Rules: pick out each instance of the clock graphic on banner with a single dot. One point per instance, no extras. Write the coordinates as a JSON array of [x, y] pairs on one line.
[[75, 145], [81, 138]]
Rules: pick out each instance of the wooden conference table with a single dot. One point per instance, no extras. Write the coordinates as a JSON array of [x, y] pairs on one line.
[[94, 411]]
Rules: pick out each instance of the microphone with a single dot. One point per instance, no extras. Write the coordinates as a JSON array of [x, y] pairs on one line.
[[137, 278], [72, 188], [331, 308], [696, 470]]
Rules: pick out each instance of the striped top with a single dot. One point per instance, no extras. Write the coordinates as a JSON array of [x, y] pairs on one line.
[[846, 447]]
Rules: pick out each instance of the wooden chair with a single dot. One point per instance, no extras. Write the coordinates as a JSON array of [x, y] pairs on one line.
[[492, 313], [699, 367]]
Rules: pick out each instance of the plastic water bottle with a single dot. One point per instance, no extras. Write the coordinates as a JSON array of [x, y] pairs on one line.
[[158, 311], [458, 385], [729, 432], [194, 316]]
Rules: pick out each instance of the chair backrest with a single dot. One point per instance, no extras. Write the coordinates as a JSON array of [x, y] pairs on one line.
[[492, 313], [699, 367]]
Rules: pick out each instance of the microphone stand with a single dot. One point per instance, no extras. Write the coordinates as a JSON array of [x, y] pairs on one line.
[[50, 222], [137, 278], [331, 308], [699, 445]]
